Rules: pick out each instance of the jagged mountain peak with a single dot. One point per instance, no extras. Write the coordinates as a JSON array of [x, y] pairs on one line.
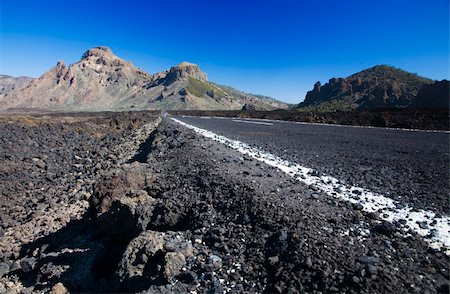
[[102, 55], [100, 51]]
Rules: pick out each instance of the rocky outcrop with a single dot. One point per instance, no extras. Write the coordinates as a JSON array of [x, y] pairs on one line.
[[436, 95], [378, 87], [248, 107], [185, 70]]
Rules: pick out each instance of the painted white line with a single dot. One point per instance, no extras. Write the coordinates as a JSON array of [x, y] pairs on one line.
[[423, 222], [253, 122]]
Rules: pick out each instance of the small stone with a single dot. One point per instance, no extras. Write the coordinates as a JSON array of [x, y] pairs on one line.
[[28, 264], [373, 215], [308, 262], [385, 228], [58, 289], [2, 233], [15, 266], [422, 224], [41, 164], [188, 277], [4, 269], [174, 261], [355, 279], [433, 233], [372, 269], [357, 192], [273, 259], [313, 187], [402, 221], [365, 259], [357, 206], [214, 261], [315, 173]]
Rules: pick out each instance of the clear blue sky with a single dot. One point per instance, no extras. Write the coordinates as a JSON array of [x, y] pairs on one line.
[[278, 48]]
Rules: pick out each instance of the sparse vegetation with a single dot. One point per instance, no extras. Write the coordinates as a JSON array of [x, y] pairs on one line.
[[200, 88], [411, 82], [330, 106]]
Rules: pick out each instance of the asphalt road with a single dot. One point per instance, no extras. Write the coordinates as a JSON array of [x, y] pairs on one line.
[[409, 166]]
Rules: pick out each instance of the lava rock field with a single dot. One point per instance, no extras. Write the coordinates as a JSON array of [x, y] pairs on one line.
[[130, 202]]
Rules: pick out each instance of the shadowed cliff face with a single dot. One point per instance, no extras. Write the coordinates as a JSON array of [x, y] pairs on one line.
[[103, 81], [377, 87]]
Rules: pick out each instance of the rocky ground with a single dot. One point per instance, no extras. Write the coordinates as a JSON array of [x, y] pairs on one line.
[[164, 210]]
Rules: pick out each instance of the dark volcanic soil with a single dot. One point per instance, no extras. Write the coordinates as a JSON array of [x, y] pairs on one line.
[[182, 213]]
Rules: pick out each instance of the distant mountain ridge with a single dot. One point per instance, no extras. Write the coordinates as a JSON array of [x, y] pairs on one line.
[[381, 86], [9, 84], [103, 81]]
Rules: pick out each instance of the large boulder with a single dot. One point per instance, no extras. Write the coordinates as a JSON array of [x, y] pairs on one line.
[[120, 205]]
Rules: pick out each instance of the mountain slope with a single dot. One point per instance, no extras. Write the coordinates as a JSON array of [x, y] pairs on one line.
[[103, 81], [9, 84], [377, 87]]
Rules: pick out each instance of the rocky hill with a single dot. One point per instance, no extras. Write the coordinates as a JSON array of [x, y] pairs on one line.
[[103, 81], [9, 84], [377, 87]]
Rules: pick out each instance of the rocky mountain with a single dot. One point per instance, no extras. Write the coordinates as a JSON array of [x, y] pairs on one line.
[[9, 84], [377, 87], [103, 81]]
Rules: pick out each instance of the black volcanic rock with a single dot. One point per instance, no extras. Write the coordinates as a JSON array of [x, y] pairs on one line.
[[377, 87], [248, 107], [434, 96]]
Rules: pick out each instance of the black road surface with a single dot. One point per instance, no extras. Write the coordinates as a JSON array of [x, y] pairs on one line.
[[409, 166]]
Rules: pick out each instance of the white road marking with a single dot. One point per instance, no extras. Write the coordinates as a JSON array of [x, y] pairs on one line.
[[436, 227], [253, 122]]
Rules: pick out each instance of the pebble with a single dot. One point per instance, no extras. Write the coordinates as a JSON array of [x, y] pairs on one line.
[[365, 259], [4, 268], [385, 228], [357, 206], [422, 224], [215, 262], [28, 264]]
